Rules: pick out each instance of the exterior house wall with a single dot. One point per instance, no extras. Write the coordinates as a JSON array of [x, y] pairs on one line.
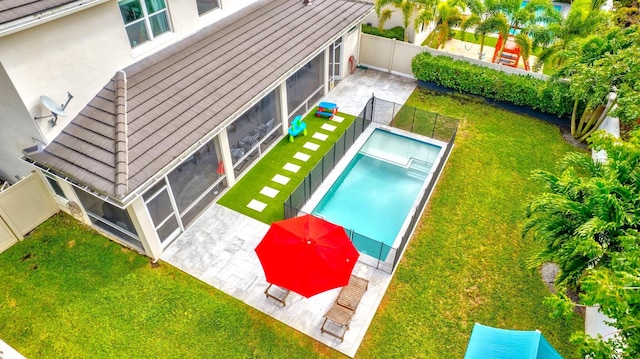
[[15, 134], [78, 53], [350, 48]]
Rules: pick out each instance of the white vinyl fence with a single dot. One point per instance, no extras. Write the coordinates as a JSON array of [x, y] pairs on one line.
[[24, 206], [395, 56]]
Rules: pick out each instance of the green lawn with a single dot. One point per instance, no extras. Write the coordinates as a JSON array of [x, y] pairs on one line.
[[260, 175], [67, 292], [489, 41], [466, 262]]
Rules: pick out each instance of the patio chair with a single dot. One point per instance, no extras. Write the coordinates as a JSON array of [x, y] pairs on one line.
[[336, 321]]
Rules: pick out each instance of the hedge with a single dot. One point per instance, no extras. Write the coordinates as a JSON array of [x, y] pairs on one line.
[[392, 33], [461, 76]]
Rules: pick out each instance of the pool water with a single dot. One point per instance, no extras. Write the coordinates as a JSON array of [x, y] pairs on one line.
[[378, 188]]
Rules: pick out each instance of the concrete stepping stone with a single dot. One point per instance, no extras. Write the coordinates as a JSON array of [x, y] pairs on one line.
[[291, 167], [328, 127], [311, 146], [301, 156], [269, 192], [283, 180], [257, 205], [338, 119], [320, 136]]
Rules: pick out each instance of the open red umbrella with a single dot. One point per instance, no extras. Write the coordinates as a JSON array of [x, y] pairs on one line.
[[307, 255]]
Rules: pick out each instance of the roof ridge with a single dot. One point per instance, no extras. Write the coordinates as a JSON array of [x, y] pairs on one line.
[[122, 152]]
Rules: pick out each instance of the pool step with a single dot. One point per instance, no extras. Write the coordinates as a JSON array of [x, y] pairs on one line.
[[418, 169]]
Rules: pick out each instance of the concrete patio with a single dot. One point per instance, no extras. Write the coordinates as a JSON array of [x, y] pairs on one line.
[[219, 247]]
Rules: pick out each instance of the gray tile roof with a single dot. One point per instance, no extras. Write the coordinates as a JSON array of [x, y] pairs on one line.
[[11, 10], [183, 93]]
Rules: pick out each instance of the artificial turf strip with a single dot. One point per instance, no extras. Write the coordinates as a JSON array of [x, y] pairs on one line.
[[67, 292], [466, 263], [249, 187]]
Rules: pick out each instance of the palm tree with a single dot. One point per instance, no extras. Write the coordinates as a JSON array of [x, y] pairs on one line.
[[423, 12], [589, 210], [583, 19], [449, 15], [485, 18]]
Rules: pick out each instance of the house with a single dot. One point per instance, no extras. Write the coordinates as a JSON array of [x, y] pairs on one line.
[[170, 101]]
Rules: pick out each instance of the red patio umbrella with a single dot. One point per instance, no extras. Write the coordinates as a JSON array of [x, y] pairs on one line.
[[307, 255]]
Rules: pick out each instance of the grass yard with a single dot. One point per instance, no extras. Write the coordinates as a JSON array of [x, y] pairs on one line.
[[260, 175], [67, 292], [467, 262], [489, 41]]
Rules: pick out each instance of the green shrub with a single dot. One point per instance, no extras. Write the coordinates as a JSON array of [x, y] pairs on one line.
[[392, 33], [520, 90]]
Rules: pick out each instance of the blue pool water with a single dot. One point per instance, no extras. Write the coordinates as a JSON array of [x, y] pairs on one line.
[[378, 188], [523, 4]]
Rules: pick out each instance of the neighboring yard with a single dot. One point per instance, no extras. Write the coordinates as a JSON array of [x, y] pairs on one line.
[[69, 293]]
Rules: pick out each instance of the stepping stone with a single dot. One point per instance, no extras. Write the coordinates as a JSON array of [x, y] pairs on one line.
[[301, 156], [256, 205], [328, 127], [291, 167], [338, 119], [311, 146], [283, 180], [269, 192], [320, 136]]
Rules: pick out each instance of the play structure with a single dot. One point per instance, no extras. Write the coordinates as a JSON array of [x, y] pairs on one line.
[[326, 109], [297, 127], [510, 53]]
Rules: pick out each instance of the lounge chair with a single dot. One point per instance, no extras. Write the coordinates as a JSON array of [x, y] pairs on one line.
[[336, 321], [277, 293]]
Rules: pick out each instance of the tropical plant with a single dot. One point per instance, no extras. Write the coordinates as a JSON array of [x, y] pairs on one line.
[[589, 222], [604, 63], [449, 15], [583, 20], [485, 19], [422, 12]]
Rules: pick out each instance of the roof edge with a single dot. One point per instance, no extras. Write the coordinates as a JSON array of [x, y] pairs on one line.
[[46, 16]]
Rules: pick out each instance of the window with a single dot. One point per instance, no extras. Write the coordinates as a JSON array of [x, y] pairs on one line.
[[109, 218], [144, 19], [204, 6], [55, 186]]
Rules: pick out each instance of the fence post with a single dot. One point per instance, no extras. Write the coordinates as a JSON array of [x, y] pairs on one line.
[[435, 121], [413, 121]]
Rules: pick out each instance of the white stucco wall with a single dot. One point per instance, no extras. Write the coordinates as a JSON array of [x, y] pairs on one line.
[[78, 53]]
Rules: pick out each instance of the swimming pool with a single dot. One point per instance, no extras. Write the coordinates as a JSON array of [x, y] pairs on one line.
[[379, 188]]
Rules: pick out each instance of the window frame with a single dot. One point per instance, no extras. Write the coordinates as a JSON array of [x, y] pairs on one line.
[[145, 19], [219, 6], [51, 179]]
